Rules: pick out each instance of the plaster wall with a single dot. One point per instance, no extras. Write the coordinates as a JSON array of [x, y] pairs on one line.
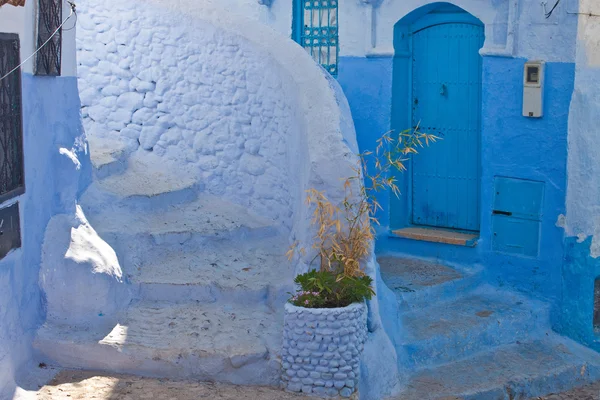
[[512, 145], [512, 27], [51, 122], [52, 140], [582, 222]]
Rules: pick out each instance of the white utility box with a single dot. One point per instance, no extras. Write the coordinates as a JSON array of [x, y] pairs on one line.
[[533, 89]]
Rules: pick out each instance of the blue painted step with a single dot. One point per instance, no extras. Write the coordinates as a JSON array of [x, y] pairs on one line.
[[483, 319], [418, 283], [517, 371]]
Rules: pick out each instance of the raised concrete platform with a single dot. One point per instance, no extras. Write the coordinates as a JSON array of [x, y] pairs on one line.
[[411, 274], [106, 155], [206, 216], [516, 371], [462, 341], [249, 271], [481, 320], [209, 342], [419, 283], [148, 175]]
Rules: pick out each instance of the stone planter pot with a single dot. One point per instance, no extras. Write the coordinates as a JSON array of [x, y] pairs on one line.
[[322, 348]]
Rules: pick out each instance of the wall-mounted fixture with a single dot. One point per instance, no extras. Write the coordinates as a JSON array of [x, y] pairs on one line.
[[533, 89]]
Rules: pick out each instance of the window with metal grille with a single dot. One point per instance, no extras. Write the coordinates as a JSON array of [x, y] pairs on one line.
[[11, 125], [48, 60], [315, 27]]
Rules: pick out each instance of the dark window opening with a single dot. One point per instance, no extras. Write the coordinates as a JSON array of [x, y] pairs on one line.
[[10, 229], [11, 123], [48, 60], [11, 142]]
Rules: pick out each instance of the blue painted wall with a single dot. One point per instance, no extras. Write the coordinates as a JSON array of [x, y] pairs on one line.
[[580, 271], [367, 83], [51, 111], [512, 146], [528, 148]]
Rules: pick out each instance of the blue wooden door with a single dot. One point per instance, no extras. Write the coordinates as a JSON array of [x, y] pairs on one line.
[[446, 101]]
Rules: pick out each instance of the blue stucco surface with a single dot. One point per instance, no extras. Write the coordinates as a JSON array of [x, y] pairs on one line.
[[512, 146], [526, 148], [580, 270], [51, 121], [367, 84]]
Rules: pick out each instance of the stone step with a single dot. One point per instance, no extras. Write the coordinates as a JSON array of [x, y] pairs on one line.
[[517, 371], [242, 271], [481, 320], [98, 197], [418, 283], [236, 344], [107, 155], [207, 217], [144, 182], [141, 173]]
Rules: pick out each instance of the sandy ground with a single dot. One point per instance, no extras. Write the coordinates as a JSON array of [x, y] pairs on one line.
[[84, 385]]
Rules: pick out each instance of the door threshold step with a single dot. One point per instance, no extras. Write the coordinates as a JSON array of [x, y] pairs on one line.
[[438, 236], [418, 283]]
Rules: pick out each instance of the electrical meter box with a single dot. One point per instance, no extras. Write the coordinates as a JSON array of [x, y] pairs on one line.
[[533, 89]]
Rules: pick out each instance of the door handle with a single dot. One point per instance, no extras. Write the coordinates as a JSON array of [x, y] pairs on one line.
[[443, 90]]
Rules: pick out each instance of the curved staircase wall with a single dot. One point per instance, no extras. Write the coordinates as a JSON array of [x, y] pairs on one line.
[[231, 103], [185, 92]]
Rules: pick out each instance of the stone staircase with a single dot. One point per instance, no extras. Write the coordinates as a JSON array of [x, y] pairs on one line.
[[463, 340], [208, 280]]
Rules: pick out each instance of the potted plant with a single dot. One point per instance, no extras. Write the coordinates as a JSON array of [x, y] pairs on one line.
[[325, 324]]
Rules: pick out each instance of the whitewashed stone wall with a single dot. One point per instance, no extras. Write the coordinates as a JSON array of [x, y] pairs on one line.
[[199, 97]]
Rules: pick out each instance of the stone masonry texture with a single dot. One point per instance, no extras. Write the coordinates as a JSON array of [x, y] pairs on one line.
[[321, 350]]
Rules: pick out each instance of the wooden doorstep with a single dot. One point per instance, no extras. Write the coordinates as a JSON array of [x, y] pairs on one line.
[[438, 236]]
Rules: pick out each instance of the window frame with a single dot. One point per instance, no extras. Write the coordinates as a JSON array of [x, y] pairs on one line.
[[19, 190], [46, 63], [298, 33]]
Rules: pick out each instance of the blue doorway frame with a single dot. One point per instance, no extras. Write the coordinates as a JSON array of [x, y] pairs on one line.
[[402, 209]]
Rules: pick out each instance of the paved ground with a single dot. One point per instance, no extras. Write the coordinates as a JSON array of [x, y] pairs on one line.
[[79, 385]]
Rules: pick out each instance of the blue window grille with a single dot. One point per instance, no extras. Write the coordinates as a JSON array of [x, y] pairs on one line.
[[315, 27]]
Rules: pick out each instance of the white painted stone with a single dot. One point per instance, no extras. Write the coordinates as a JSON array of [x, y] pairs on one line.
[[78, 264], [130, 101], [180, 341], [583, 166]]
